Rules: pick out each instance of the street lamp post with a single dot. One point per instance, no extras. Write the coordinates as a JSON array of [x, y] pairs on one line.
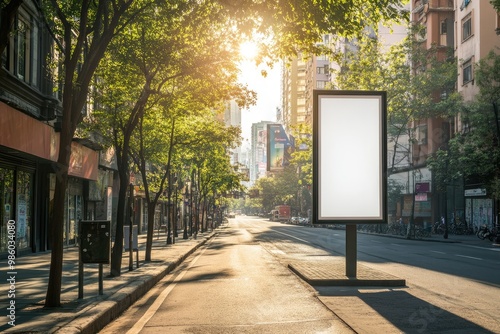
[[176, 209], [185, 215], [169, 222]]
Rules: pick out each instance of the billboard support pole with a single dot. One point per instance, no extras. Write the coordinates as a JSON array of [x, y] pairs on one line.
[[350, 162], [351, 250]]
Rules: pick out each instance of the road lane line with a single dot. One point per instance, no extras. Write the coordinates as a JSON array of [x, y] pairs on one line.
[[291, 236], [469, 257], [139, 325], [485, 248], [433, 251]]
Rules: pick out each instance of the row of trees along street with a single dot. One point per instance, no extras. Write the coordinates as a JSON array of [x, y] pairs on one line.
[[154, 71], [419, 85]]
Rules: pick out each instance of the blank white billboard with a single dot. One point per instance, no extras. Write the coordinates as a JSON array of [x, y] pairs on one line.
[[349, 157]]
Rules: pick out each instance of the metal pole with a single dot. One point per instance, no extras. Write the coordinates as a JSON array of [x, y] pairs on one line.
[[131, 228], [100, 280], [351, 250], [184, 216], [80, 265]]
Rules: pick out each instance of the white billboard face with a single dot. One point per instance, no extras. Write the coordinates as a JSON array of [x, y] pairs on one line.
[[349, 157]]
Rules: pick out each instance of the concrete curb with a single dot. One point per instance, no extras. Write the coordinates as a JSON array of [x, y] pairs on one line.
[[98, 314]]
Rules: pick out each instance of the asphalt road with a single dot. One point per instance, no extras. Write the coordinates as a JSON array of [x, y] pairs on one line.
[[451, 287], [239, 283], [232, 285]]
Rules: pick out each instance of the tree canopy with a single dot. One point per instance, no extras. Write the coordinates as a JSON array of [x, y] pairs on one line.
[[83, 31]]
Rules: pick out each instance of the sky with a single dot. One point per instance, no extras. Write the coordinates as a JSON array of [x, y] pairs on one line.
[[268, 96]]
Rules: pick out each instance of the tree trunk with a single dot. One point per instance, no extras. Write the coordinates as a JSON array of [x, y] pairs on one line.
[[117, 251], [53, 297]]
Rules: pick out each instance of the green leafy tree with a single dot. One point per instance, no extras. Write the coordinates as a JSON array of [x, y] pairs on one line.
[[151, 151], [146, 68], [496, 4], [302, 159], [83, 30], [475, 151], [419, 83], [208, 157], [414, 79], [488, 80], [268, 191]]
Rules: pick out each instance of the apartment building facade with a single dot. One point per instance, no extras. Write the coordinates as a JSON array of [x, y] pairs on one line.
[[467, 28], [477, 33]]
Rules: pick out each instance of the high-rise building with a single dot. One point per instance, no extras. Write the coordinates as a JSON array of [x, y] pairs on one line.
[[258, 151], [232, 117]]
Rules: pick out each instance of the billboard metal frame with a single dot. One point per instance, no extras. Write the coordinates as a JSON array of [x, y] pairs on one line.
[[349, 157]]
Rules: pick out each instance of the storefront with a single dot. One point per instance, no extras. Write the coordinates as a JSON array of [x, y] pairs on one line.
[[28, 149], [16, 204], [478, 208], [83, 169]]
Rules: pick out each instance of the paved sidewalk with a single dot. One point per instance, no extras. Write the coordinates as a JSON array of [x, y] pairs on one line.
[[469, 239], [93, 311]]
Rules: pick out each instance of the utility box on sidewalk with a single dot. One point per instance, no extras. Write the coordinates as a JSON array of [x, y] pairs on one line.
[[95, 241], [95, 247]]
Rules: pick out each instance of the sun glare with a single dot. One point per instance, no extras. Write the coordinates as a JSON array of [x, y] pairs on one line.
[[249, 50]]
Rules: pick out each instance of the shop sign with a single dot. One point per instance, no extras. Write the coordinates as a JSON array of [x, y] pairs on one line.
[[475, 192], [422, 187], [421, 197]]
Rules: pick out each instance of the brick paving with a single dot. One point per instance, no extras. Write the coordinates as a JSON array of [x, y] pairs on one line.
[[330, 271]]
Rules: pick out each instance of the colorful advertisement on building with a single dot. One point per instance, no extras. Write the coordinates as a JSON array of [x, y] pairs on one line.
[[279, 148]]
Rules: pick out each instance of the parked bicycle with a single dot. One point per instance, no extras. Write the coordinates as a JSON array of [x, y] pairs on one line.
[[421, 232], [485, 232], [460, 227], [396, 229]]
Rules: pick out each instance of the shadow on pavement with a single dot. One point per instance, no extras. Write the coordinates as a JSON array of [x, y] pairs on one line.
[[400, 310]]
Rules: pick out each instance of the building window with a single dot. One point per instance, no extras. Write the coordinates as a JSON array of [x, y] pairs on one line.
[[422, 134], [444, 28], [467, 72], [466, 27], [320, 84], [22, 57], [22, 43], [443, 32]]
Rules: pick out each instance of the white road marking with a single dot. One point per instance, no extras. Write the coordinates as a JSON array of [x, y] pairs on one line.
[[433, 251], [486, 248], [139, 325], [468, 257], [291, 236]]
